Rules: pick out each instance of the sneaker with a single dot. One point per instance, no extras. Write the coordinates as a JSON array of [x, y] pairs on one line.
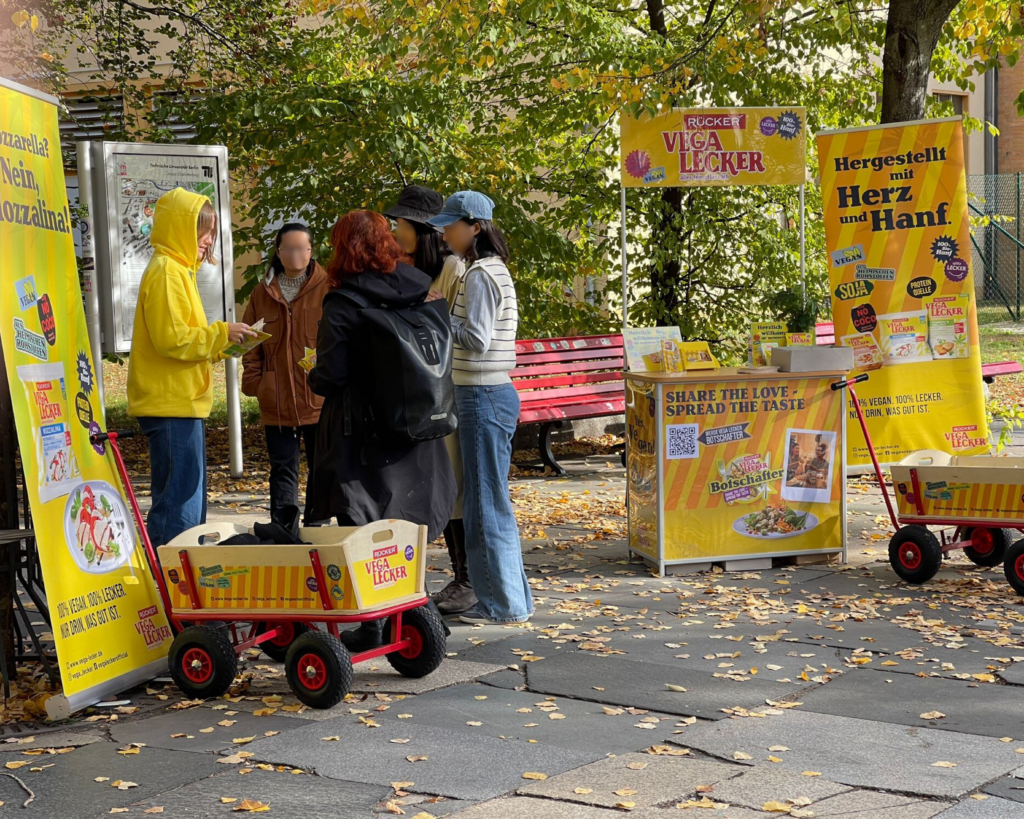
[[475, 617], [455, 598]]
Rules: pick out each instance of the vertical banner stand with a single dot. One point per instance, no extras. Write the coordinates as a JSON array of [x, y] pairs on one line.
[[90, 285]]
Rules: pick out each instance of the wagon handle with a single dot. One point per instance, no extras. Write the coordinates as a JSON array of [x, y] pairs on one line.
[[857, 379], [848, 384]]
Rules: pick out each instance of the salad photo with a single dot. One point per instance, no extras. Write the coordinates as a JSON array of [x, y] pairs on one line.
[[776, 520], [98, 528]]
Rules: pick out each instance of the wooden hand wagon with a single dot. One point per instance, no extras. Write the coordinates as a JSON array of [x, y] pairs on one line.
[[289, 600]]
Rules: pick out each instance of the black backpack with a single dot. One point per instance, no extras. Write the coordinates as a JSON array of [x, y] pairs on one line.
[[409, 358]]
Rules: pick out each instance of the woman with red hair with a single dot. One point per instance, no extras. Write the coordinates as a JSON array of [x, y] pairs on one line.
[[360, 478]]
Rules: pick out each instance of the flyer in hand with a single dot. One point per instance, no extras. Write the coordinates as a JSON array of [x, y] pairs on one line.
[[236, 350]]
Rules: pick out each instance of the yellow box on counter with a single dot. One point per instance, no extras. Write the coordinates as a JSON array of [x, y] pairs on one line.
[[366, 568], [960, 488], [799, 340]]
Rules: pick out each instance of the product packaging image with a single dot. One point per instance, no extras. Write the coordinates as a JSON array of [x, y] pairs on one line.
[[671, 357], [51, 428], [904, 337], [763, 336], [947, 326], [866, 353]]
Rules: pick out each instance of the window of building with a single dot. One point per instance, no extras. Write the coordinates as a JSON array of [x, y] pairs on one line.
[[956, 100], [90, 117]]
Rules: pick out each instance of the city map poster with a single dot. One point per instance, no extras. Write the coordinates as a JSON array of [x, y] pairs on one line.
[[135, 180], [903, 297], [108, 625]]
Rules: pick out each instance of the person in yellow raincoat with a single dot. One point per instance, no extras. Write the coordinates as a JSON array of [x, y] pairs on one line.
[[170, 373]]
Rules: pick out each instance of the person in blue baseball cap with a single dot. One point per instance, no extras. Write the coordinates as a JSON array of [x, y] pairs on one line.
[[485, 318]]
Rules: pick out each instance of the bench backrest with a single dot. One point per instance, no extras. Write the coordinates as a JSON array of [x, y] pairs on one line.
[[579, 376]]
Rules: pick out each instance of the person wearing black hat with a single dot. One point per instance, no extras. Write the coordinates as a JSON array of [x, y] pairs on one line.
[[416, 204]]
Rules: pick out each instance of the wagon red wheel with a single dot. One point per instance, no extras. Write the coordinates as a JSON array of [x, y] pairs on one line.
[[197, 665], [312, 672], [319, 669], [426, 650], [988, 546], [277, 648], [415, 647], [203, 662], [915, 554], [1013, 566]]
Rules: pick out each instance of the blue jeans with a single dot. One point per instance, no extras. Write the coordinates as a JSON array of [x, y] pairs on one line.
[[177, 458], [487, 422]]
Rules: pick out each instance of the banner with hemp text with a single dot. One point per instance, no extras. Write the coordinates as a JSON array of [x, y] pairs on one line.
[[108, 624], [903, 297]]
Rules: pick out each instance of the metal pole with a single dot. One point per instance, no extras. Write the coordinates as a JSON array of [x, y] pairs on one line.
[[234, 401], [625, 262], [1018, 245], [90, 284], [803, 283]]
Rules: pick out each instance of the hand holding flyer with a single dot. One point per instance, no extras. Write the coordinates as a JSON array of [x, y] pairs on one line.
[[237, 349]]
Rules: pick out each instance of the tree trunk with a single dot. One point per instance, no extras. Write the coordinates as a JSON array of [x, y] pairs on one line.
[[9, 514], [665, 281], [912, 31]]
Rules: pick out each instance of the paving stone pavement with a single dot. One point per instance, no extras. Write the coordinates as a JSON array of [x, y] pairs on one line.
[[822, 669]]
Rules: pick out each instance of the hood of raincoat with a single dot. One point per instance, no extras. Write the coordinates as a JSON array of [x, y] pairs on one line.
[[174, 226]]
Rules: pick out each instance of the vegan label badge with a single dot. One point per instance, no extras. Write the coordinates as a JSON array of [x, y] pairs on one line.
[[83, 369], [84, 410], [311, 583], [847, 255], [409, 552], [26, 292], [846, 291], [26, 341], [956, 270], [864, 318], [47, 323], [944, 248], [768, 126], [921, 287], [879, 274], [334, 572], [789, 125]]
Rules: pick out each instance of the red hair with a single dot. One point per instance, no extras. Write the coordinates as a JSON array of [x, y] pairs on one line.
[[362, 242]]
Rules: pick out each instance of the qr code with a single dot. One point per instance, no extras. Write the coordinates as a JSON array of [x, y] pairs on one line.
[[682, 441]]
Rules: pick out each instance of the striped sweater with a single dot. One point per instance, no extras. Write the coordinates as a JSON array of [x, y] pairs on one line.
[[484, 323]]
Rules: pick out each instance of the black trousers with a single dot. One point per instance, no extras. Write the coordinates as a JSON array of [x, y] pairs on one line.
[[283, 451]]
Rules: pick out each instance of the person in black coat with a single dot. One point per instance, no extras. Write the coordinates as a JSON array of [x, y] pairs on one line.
[[358, 478]]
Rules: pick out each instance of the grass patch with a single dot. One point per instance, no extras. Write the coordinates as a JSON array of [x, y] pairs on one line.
[[115, 385]]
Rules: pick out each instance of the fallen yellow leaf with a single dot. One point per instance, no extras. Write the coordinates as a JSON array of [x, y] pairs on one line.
[[251, 806], [943, 764], [812, 773], [417, 758], [741, 756], [533, 775], [677, 688], [228, 800], [626, 792], [583, 791], [401, 786], [932, 715], [776, 807], [243, 740]]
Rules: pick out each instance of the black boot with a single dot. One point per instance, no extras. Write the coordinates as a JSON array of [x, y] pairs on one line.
[[458, 595], [370, 634]]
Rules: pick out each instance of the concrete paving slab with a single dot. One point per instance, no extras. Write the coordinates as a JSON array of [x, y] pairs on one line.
[[479, 710], [662, 780], [386, 680], [765, 784], [901, 699], [861, 804], [993, 808], [201, 728], [290, 796], [456, 765], [1013, 674], [509, 680], [54, 739], [643, 685], [524, 807], [863, 753], [1010, 787], [69, 787]]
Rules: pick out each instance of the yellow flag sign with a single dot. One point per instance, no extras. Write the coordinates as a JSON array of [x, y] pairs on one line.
[[108, 624], [714, 146], [903, 297]]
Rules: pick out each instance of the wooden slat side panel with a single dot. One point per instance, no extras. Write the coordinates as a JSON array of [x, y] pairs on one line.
[[529, 387], [572, 411], [525, 359], [613, 365]]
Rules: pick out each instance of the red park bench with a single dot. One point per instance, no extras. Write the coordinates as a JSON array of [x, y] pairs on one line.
[[567, 379], [824, 333]]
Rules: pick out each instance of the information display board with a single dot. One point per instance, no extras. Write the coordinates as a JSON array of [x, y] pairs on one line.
[[131, 178]]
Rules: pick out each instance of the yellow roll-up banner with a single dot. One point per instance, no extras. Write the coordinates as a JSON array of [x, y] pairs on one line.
[[107, 620], [903, 296], [714, 146]]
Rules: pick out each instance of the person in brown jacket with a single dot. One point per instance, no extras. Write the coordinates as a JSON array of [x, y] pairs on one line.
[[290, 301]]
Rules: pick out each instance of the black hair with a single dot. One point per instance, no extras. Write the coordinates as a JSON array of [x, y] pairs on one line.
[[431, 251], [288, 227], [488, 242]]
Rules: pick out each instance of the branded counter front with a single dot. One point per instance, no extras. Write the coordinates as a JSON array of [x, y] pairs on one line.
[[734, 468]]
